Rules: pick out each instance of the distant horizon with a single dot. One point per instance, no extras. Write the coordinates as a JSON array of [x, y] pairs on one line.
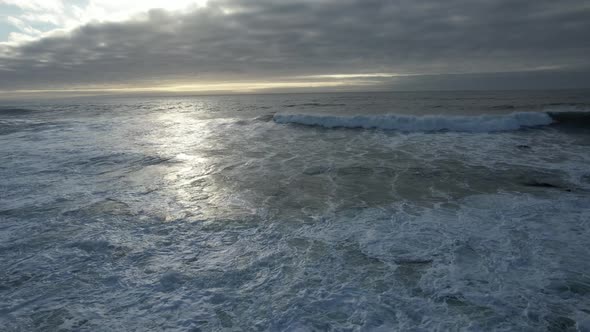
[[229, 94]]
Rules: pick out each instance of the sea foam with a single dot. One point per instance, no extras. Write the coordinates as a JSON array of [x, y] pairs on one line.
[[482, 123]]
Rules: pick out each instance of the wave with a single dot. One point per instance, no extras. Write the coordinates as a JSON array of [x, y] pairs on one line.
[[572, 118], [314, 105], [482, 123], [542, 107], [15, 111], [578, 105]]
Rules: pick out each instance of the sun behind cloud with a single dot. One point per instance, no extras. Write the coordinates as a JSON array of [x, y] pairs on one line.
[[36, 18]]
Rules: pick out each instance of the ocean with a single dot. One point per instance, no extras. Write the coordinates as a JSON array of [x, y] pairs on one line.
[[298, 212]]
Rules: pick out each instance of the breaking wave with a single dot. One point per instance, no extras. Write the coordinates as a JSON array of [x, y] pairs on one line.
[[580, 119], [465, 123], [482, 123]]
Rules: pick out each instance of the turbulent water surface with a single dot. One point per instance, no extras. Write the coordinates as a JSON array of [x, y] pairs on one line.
[[401, 211]]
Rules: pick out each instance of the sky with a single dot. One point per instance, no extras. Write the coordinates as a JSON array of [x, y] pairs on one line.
[[58, 47]]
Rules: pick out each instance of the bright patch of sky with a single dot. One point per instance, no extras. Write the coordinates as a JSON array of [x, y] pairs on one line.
[[22, 20]]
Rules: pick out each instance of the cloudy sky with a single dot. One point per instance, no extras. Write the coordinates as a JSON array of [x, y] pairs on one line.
[[115, 46]]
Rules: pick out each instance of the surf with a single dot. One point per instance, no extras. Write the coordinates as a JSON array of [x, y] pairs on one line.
[[461, 123]]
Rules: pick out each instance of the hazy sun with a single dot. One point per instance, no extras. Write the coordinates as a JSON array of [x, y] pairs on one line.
[[35, 18], [116, 9]]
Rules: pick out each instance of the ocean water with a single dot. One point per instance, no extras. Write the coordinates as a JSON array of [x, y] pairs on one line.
[[305, 212]]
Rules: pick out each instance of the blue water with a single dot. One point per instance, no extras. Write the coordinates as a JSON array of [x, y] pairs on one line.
[[451, 211]]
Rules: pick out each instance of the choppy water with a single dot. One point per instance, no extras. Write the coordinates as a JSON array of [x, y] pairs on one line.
[[219, 213]]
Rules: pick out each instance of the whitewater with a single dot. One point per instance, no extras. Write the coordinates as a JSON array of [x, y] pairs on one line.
[[482, 123], [302, 212]]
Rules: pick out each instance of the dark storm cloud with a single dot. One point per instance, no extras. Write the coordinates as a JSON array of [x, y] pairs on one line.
[[264, 39]]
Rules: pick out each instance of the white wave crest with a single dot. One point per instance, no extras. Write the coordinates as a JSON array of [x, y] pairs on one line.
[[482, 123]]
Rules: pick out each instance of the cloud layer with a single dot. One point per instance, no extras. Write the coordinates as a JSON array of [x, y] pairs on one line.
[[266, 40]]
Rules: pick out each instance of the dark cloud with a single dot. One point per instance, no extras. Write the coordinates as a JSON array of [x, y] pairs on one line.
[[267, 39]]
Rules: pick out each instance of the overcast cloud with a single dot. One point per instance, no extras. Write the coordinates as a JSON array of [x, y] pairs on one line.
[[394, 42]]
